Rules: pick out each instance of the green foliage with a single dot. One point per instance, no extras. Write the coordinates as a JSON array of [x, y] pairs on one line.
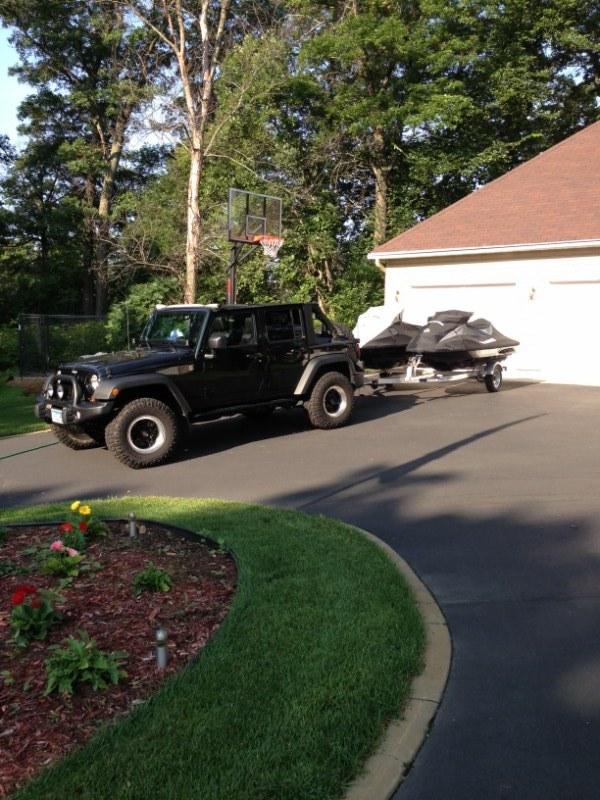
[[96, 528], [9, 567], [323, 637], [75, 539], [16, 411], [9, 347], [33, 618], [365, 117], [127, 317], [68, 342], [152, 579], [61, 564], [81, 661]]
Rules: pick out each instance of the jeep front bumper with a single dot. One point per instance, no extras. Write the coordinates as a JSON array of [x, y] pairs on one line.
[[71, 414]]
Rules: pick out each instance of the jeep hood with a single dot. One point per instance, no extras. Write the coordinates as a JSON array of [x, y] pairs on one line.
[[131, 362]]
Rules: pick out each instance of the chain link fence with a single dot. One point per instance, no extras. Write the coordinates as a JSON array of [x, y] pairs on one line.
[[45, 340]]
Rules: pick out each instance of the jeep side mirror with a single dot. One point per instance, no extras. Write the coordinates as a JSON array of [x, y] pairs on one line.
[[217, 341]]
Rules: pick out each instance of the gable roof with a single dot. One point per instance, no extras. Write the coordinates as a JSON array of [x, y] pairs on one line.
[[553, 198]]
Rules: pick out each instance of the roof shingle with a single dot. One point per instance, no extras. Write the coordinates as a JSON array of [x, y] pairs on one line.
[[554, 197]]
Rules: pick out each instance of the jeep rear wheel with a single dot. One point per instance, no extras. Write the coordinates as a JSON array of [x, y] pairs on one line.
[[331, 401], [75, 437], [143, 434]]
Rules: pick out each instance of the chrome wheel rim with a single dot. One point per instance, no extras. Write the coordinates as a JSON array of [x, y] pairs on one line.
[[146, 434], [335, 401]]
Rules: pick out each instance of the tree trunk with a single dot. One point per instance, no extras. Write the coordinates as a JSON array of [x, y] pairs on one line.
[[380, 214], [192, 247], [104, 206], [380, 172], [90, 249]]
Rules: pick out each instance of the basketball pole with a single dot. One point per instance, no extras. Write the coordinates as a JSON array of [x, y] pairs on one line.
[[237, 258], [231, 278]]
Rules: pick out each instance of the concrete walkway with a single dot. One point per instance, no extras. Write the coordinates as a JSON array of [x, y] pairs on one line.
[[494, 500]]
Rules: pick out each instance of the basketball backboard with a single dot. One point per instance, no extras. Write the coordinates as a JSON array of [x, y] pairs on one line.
[[251, 216]]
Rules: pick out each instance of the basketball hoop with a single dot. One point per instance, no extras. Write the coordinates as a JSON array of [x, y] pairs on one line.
[[271, 246]]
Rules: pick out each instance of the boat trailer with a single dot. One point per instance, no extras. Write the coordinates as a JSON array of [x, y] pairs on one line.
[[413, 373]]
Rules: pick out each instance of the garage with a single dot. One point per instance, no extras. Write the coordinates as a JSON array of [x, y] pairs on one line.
[[523, 251]]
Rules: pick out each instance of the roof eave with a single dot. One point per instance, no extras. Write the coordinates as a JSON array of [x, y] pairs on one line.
[[405, 255]]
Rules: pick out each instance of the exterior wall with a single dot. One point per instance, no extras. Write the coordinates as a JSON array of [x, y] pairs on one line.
[[549, 302]]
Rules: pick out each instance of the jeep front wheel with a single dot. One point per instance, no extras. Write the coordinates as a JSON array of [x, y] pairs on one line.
[[143, 434], [331, 400], [74, 437]]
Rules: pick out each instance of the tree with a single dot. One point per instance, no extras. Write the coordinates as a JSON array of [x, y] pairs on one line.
[[87, 59], [195, 33]]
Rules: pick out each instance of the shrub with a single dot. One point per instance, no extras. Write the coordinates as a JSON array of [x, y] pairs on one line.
[[131, 314], [80, 661], [152, 579], [74, 539], [9, 346], [70, 341], [61, 564], [82, 523], [33, 614], [8, 567]]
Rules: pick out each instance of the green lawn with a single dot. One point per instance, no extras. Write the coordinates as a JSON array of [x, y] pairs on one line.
[[293, 692], [16, 411]]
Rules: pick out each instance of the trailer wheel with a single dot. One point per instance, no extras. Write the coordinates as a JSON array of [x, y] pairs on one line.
[[493, 381], [331, 400]]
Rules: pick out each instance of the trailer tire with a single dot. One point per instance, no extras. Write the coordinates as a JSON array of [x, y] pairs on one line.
[[493, 381], [331, 401]]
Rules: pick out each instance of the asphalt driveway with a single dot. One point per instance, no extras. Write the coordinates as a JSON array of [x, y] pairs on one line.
[[493, 499]]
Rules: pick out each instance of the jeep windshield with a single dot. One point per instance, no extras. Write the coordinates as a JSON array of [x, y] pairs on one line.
[[175, 328]]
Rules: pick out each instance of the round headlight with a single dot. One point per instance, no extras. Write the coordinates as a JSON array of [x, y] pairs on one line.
[[93, 382], [50, 391], [60, 391]]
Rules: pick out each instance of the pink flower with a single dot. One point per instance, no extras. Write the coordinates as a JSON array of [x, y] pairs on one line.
[[57, 546], [72, 552]]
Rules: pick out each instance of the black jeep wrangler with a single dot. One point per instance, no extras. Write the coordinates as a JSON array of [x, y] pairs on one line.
[[198, 362]]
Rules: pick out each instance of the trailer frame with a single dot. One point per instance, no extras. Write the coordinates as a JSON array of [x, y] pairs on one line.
[[413, 373]]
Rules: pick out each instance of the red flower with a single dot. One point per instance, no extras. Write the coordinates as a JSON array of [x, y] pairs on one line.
[[20, 593], [66, 527], [83, 526]]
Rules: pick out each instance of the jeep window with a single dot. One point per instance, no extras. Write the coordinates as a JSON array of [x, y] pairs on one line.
[[238, 327], [175, 328], [283, 324], [321, 326]]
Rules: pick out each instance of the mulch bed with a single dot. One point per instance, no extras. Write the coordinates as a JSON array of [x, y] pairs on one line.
[[37, 730]]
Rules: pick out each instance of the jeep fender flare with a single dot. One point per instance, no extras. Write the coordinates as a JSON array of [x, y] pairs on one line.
[[106, 387], [331, 362]]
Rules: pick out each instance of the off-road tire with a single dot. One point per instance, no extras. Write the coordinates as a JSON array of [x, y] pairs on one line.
[[96, 431], [331, 400], [137, 419], [74, 437]]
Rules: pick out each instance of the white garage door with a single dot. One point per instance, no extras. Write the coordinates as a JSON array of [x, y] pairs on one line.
[[508, 305], [568, 314], [551, 305]]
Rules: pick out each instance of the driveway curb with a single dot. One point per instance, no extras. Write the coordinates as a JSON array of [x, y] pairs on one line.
[[386, 768]]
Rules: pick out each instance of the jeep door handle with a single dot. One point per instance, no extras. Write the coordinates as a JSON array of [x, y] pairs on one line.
[[255, 357]]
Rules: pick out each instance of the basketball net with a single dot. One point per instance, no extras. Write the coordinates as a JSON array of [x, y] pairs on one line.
[[271, 246]]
